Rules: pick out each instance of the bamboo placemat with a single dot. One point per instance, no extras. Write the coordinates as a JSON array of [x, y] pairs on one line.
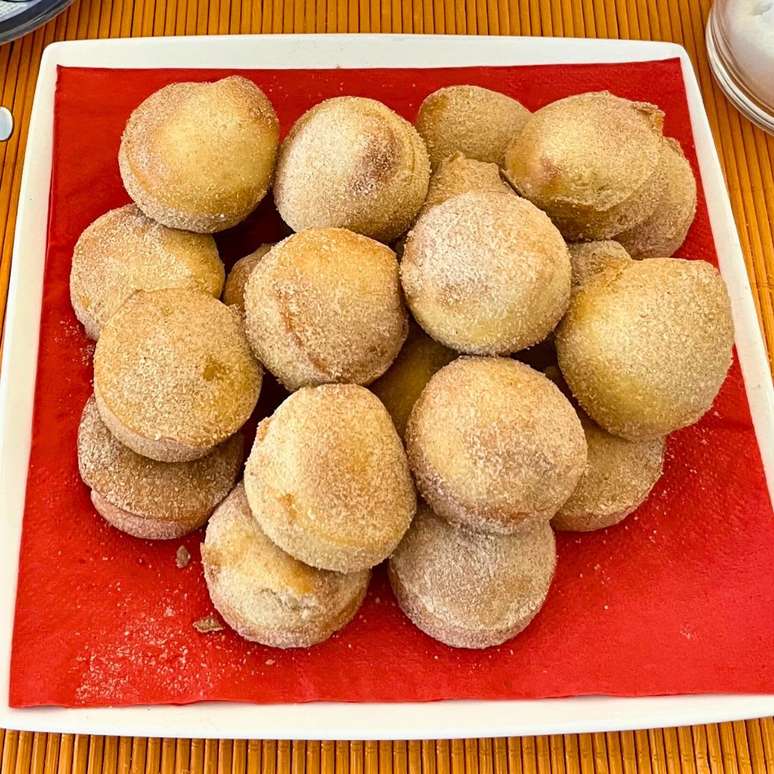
[[746, 154]]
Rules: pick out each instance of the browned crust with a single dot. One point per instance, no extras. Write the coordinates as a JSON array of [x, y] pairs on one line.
[[143, 526]]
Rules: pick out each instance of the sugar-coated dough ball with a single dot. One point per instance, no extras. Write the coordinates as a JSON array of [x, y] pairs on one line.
[[146, 498], [325, 306], [645, 346], [234, 289], [264, 594], [328, 479], [352, 162], [122, 252], [400, 386], [664, 230], [494, 444], [589, 258], [469, 589], [200, 156], [591, 162], [458, 174], [173, 374], [472, 120], [618, 478], [486, 273]]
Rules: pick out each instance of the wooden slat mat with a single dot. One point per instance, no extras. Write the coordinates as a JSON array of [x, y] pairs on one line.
[[728, 747], [746, 154]]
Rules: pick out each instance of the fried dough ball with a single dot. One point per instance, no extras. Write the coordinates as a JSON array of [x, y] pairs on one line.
[[325, 305], [458, 174], [122, 252], [200, 156], [494, 445], [266, 595], [486, 273], [328, 479], [400, 386], [469, 589], [591, 162], [589, 258], [173, 374], [234, 289], [645, 346], [472, 120], [665, 229], [353, 163], [619, 476], [146, 498]]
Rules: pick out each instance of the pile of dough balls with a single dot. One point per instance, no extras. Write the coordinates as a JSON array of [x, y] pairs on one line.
[[414, 432]]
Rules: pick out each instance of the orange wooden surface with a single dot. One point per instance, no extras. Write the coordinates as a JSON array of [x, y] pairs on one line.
[[746, 154]]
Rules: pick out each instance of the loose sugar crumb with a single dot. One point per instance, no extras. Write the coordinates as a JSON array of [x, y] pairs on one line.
[[209, 623], [182, 557]]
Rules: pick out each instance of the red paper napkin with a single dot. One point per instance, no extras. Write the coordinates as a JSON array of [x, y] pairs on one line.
[[677, 599]]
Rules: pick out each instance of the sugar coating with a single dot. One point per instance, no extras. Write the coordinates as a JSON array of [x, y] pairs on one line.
[[234, 289], [494, 444], [328, 480], [664, 230], [589, 258], [325, 305], [590, 161], [122, 252], [471, 120], [353, 163], [175, 492], [646, 345], [618, 478], [458, 174], [470, 589], [266, 595], [486, 273], [402, 383], [174, 375], [200, 156]]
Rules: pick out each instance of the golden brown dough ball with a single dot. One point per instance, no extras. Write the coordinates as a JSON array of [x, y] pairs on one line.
[[400, 386], [173, 374], [486, 273], [469, 589], [645, 346], [266, 595], [325, 306], [352, 162], [146, 498], [589, 258], [493, 445], [665, 229], [234, 289], [472, 120], [618, 478], [122, 252], [328, 479], [200, 156], [591, 162], [458, 174]]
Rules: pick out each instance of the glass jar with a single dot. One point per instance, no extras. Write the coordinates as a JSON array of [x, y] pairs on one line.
[[740, 48], [18, 17]]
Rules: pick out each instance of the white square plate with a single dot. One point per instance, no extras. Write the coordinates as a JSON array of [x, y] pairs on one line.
[[17, 379]]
